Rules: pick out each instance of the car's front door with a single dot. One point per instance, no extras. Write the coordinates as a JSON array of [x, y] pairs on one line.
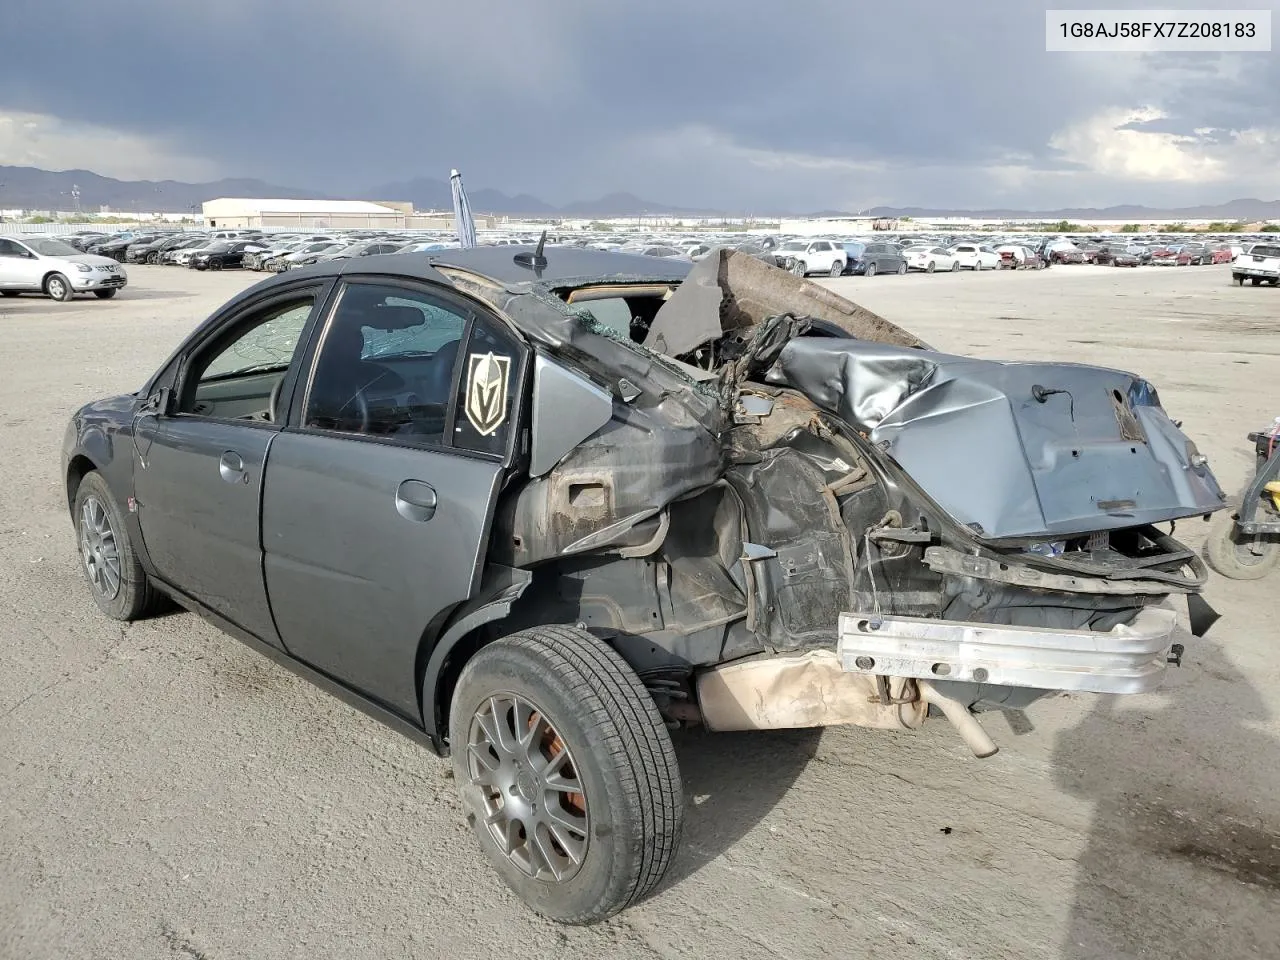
[[380, 494], [198, 482]]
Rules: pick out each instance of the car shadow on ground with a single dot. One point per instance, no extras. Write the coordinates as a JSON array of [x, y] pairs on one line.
[[731, 782], [88, 301], [141, 294], [1183, 856]]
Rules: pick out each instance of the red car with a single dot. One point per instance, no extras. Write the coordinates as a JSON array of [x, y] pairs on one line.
[[1170, 257], [1221, 255]]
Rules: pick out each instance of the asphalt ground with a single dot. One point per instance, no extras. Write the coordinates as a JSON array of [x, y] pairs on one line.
[[165, 792]]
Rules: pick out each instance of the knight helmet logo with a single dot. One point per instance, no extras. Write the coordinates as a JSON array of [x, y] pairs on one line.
[[487, 376]]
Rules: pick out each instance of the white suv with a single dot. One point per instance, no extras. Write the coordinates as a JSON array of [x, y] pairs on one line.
[[803, 257], [55, 268], [1259, 264]]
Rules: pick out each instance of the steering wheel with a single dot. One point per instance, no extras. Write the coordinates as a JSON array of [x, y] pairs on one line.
[[360, 403], [362, 410], [273, 402]]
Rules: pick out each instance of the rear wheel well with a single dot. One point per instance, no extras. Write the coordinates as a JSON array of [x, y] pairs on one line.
[[79, 467], [446, 680]]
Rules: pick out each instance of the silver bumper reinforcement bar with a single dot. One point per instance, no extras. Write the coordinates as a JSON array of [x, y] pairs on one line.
[[1130, 658]]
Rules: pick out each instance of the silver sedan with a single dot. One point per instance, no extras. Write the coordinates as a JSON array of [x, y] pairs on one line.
[[55, 268]]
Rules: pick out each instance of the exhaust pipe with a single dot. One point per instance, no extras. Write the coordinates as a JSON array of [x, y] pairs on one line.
[[966, 724]]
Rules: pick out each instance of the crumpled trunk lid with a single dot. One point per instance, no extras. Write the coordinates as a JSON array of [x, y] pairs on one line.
[[1011, 450]]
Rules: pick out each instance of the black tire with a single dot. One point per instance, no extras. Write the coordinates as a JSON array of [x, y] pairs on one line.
[[902, 269], [837, 268], [58, 287], [870, 270], [799, 268], [955, 266], [1255, 281], [929, 268], [134, 596], [1237, 556], [619, 753], [104, 294]]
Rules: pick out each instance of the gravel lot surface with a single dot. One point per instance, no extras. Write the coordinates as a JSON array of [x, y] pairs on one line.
[[164, 792]]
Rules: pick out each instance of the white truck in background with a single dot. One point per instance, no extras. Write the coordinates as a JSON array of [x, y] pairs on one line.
[[1259, 264]]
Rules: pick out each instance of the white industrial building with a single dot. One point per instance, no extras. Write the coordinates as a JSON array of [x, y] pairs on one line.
[[829, 226], [253, 212]]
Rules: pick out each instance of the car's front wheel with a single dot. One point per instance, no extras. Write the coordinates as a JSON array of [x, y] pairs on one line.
[[837, 268], [799, 268], [58, 287], [116, 579], [566, 772], [870, 270]]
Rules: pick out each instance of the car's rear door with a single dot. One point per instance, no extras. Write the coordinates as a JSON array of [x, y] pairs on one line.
[[20, 269], [380, 494], [198, 474], [11, 257]]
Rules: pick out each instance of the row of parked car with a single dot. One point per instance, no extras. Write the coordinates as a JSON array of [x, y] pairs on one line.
[[231, 249], [859, 256], [867, 258]]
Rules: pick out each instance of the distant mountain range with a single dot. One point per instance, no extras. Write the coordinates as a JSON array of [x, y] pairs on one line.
[[29, 188]]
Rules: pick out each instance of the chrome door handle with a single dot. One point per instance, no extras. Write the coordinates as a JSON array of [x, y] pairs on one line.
[[416, 500], [231, 467]]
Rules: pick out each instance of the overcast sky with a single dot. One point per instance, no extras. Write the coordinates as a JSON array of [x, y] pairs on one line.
[[740, 105]]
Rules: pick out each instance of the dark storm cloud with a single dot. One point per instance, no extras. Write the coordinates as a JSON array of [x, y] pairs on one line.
[[569, 98]]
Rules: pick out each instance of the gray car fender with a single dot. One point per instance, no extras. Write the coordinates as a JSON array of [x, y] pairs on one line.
[[500, 588]]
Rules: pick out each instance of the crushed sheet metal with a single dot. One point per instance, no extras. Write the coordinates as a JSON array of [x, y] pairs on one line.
[[946, 560], [1129, 658], [730, 290], [691, 316], [1009, 449]]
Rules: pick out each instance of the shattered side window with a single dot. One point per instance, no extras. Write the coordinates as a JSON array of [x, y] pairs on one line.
[[439, 327]]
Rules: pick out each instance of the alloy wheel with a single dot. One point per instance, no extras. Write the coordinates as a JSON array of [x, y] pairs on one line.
[[98, 549], [534, 801]]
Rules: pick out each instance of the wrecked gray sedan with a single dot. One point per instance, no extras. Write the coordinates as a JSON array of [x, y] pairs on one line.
[[534, 508]]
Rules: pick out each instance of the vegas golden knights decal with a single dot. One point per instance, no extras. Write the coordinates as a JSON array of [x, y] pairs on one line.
[[487, 376]]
